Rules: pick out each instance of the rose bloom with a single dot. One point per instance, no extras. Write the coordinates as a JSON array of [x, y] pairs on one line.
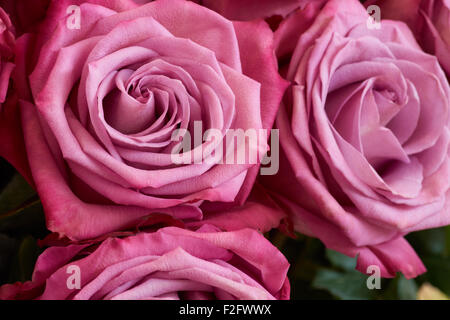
[[171, 263], [6, 54], [364, 130], [104, 91], [428, 19], [11, 140]]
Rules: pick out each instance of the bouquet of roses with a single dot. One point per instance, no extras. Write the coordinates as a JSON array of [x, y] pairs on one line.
[[189, 149]]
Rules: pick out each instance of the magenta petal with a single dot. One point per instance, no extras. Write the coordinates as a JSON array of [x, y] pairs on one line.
[[392, 257]]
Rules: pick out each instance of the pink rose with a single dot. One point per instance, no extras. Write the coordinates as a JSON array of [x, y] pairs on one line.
[[428, 19], [110, 84], [6, 54], [364, 130], [11, 140], [171, 263]]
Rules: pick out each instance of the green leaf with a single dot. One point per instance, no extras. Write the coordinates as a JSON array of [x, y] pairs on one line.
[[406, 289], [348, 286], [340, 260], [24, 261], [447, 241], [438, 272], [8, 247], [17, 192], [390, 289], [306, 257], [429, 242], [28, 219], [302, 290]]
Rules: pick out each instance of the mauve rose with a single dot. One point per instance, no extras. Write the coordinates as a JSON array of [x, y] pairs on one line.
[[428, 19], [6, 54], [364, 130], [106, 98], [171, 263], [11, 140]]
